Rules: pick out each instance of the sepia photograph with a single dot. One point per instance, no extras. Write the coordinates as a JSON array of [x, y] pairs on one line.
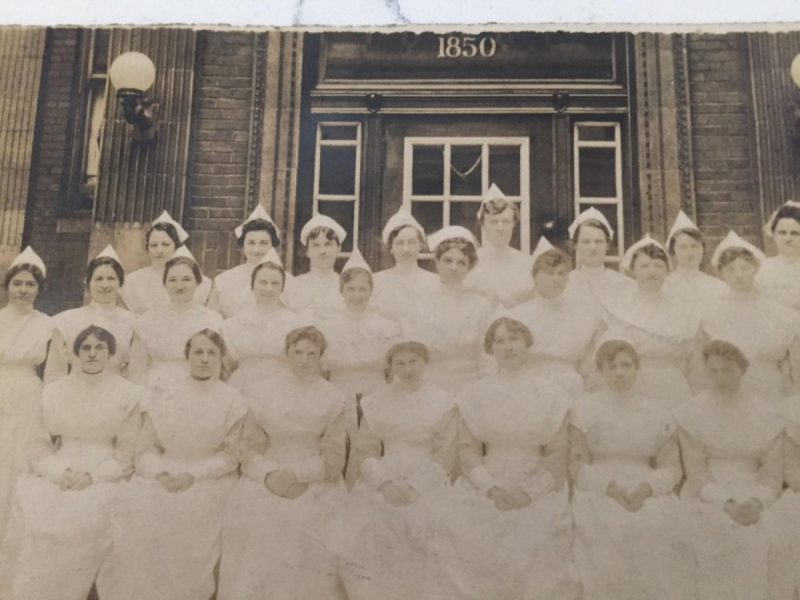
[[431, 313]]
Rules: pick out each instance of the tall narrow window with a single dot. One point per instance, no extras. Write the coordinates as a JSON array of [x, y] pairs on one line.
[[96, 97], [598, 176]]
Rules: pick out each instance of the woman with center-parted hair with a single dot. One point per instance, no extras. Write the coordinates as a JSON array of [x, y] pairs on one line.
[[507, 532], [24, 333], [625, 464], [186, 466], [277, 533], [64, 518], [144, 288], [779, 276]]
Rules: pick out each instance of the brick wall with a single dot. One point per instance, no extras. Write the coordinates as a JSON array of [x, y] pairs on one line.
[[722, 136], [218, 156]]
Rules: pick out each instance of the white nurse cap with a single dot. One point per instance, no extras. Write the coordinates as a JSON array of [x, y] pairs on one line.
[[29, 257], [109, 252], [732, 240], [258, 213], [322, 221], [493, 193], [165, 217], [768, 225], [588, 215], [450, 233], [356, 261], [541, 247], [682, 223], [402, 218], [184, 252], [271, 257], [646, 241]]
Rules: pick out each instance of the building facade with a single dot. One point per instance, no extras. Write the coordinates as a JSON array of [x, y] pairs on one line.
[[355, 125]]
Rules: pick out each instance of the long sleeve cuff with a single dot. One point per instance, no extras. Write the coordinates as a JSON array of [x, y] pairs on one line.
[[213, 468], [481, 478], [151, 465], [662, 482], [310, 470], [49, 467], [373, 472], [765, 494], [107, 471], [715, 494], [258, 467]]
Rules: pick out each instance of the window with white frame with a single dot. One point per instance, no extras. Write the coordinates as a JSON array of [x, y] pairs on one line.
[[96, 97], [598, 176], [337, 176], [445, 179]]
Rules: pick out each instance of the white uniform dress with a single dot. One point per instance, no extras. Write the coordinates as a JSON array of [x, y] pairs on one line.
[[235, 289], [779, 280], [60, 538], [564, 331], [397, 293], [275, 547], [513, 435], [314, 294], [692, 285], [785, 513], [169, 543], [598, 285], [501, 273], [23, 346], [620, 554], [256, 339], [144, 289], [408, 437], [732, 449]]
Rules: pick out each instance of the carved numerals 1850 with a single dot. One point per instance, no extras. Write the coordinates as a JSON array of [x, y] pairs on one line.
[[466, 46]]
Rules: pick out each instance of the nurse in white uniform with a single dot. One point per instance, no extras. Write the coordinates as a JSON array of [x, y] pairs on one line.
[[779, 276], [686, 281]]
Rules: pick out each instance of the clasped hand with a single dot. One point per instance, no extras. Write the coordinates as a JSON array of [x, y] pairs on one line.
[[398, 494], [508, 499], [74, 480], [175, 483], [284, 483], [632, 501], [744, 513]]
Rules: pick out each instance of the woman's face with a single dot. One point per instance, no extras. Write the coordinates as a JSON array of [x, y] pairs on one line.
[[408, 368], [160, 247], [322, 252], [739, 274], [356, 293], [256, 245], [104, 285], [452, 266], [725, 374], [23, 289], [619, 373], [591, 247], [550, 282], [510, 350], [650, 273], [180, 284], [267, 285], [205, 358], [499, 228], [688, 252], [787, 238], [303, 359], [406, 246], [93, 354]]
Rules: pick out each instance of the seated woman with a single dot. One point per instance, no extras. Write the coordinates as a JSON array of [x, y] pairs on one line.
[[731, 445], [159, 341], [256, 336], [508, 530], [279, 521], [407, 439], [686, 281], [625, 463], [104, 276], [63, 524], [186, 465]]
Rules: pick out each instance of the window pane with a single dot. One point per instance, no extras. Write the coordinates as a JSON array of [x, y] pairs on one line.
[[597, 172], [339, 132], [429, 215], [342, 213], [610, 213], [504, 169], [465, 171], [337, 170], [427, 174], [590, 133], [100, 52], [465, 214]]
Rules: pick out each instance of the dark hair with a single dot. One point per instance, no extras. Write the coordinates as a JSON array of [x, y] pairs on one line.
[[417, 348], [350, 274], [329, 234], [692, 233], [271, 266], [651, 251], [103, 335], [183, 260], [591, 223], [396, 231], [785, 212], [104, 261], [209, 334], [727, 351], [512, 326], [729, 255], [550, 259], [497, 206], [310, 333], [167, 228], [463, 244], [260, 225], [28, 268], [609, 350]]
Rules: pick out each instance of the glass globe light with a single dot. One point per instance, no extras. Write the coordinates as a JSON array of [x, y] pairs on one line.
[[132, 71]]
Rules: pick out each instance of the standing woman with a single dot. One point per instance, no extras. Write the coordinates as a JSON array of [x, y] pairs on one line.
[[186, 466], [564, 329], [317, 292], [686, 281], [63, 523], [159, 341], [144, 289], [256, 336], [779, 276], [408, 441], [104, 277], [256, 236], [625, 462], [24, 333], [765, 331], [502, 273], [452, 320], [279, 521], [397, 289]]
